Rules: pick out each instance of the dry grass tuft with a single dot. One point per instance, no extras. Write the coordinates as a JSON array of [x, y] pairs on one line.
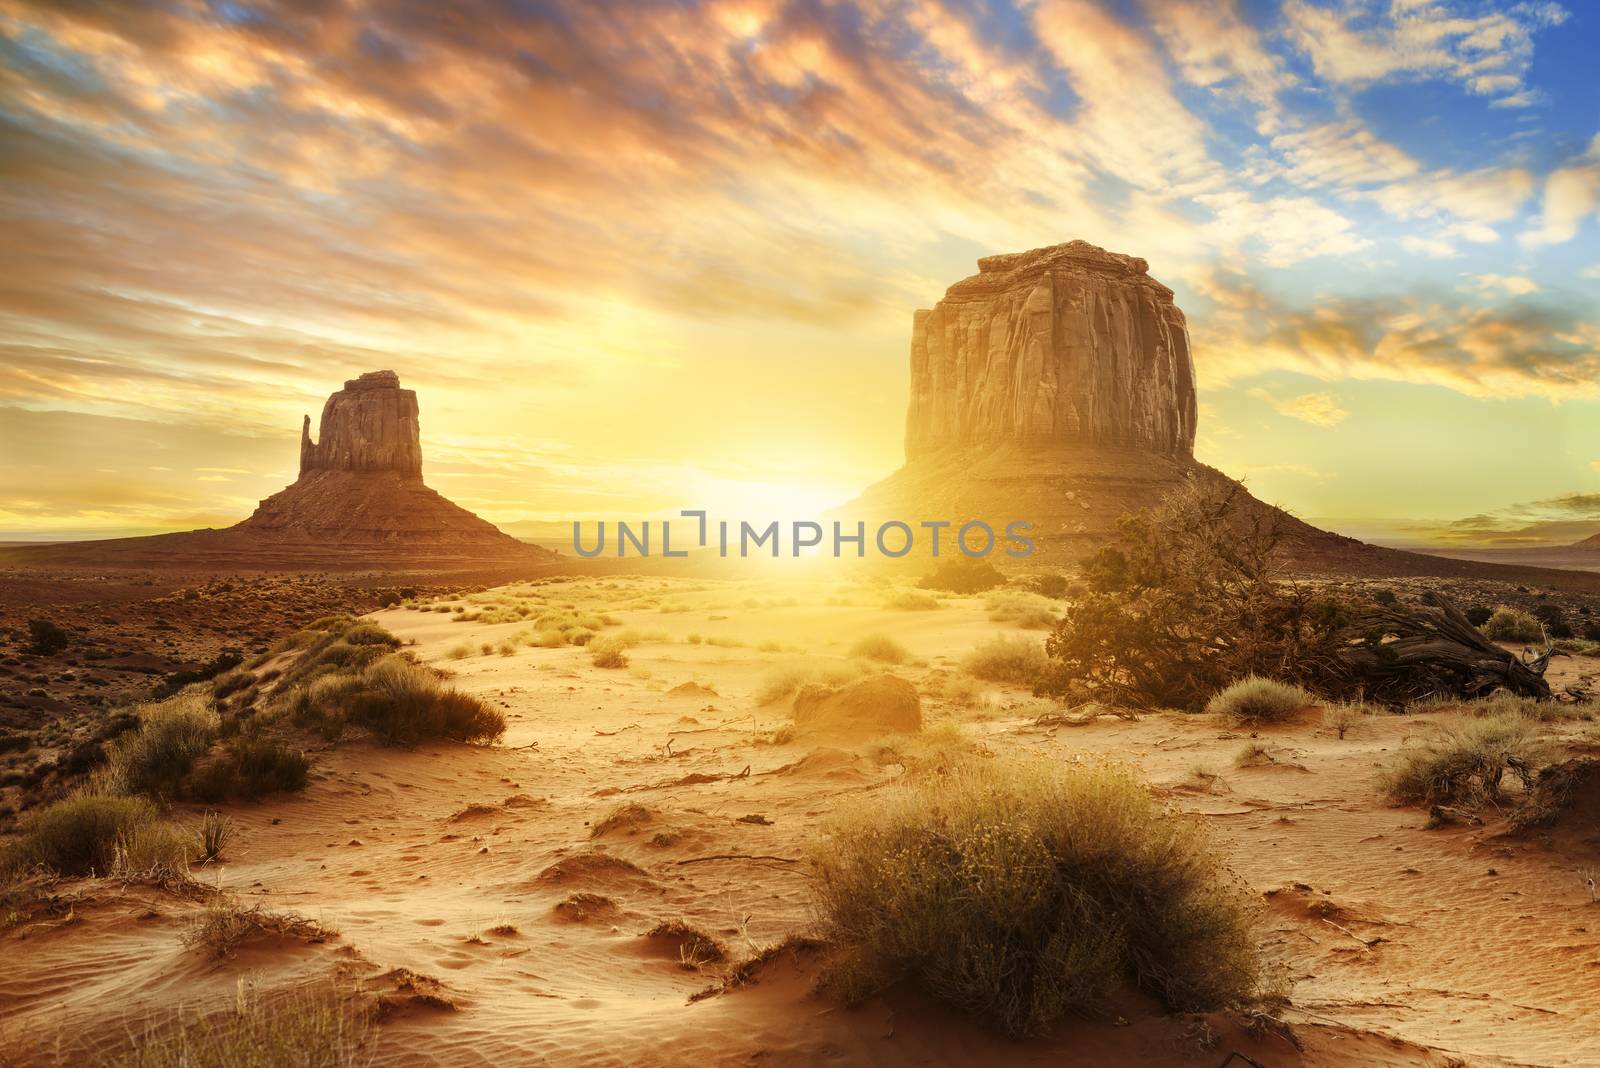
[[225, 925], [1010, 659], [317, 1027], [1254, 700], [1466, 765]]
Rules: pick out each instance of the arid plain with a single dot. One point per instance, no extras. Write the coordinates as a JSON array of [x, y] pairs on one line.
[[623, 877]]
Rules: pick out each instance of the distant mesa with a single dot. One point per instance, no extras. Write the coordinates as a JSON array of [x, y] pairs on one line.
[[359, 502]]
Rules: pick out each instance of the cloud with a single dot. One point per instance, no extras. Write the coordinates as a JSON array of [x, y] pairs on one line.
[[1359, 42], [1515, 284], [1517, 348], [1215, 46], [1571, 194], [1318, 409]]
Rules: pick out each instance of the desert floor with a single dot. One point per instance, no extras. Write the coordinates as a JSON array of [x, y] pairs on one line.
[[457, 873]]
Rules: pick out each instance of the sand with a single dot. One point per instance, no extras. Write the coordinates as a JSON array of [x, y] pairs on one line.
[[1406, 945]]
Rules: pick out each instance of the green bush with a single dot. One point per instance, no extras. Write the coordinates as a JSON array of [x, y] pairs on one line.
[[1027, 890], [1256, 700]]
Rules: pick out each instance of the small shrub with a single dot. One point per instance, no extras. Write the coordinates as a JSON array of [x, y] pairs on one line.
[[1019, 608], [609, 656], [78, 835], [1256, 700], [249, 769], [1028, 890], [156, 758], [1512, 625], [911, 601], [403, 703], [1010, 659], [882, 648], [155, 851], [1341, 719], [225, 925], [1464, 766], [45, 638], [964, 575], [1479, 614], [460, 652]]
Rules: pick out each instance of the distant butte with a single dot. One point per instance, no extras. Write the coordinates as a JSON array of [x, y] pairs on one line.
[[1057, 386], [358, 503]]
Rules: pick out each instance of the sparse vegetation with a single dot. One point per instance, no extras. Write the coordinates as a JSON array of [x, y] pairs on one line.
[[783, 682], [1466, 765], [911, 601], [225, 925], [404, 703], [45, 638], [1029, 890], [1030, 611], [156, 759], [321, 1027], [1010, 659], [882, 648], [1256, 700], [250, 768]]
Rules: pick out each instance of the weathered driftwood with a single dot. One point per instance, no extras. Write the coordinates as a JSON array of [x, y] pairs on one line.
[[1402, 653]]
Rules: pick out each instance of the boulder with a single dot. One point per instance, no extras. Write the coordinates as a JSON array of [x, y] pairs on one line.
[[881, 704]]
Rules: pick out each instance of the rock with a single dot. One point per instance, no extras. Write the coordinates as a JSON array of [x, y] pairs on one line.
[[881, 704], [1061, 345], [1056, 388], [370, 425]]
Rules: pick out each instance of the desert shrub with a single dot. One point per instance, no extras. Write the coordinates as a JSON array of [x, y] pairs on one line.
[[1257, 700], [963, 574], [1464, 765], [1025, 891], [459, 651], [250, 768], [403, 703], [1509, 624], [782, 682], [607, 652], [1554, 620], [370, 634], [911, 601], [78, 835], [1052, 585], [231, 682], [1185, 601], [45, 638], [320, 1027], [1479, 614], [226, 660], [1008, 658], [882, 648], [1020, 608], [156, 758]]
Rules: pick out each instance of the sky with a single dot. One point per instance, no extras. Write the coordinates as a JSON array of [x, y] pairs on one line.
[[641, 256]]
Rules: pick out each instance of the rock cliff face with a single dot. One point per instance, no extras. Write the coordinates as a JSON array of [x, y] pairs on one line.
[[370, 425], [1064, 345]]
